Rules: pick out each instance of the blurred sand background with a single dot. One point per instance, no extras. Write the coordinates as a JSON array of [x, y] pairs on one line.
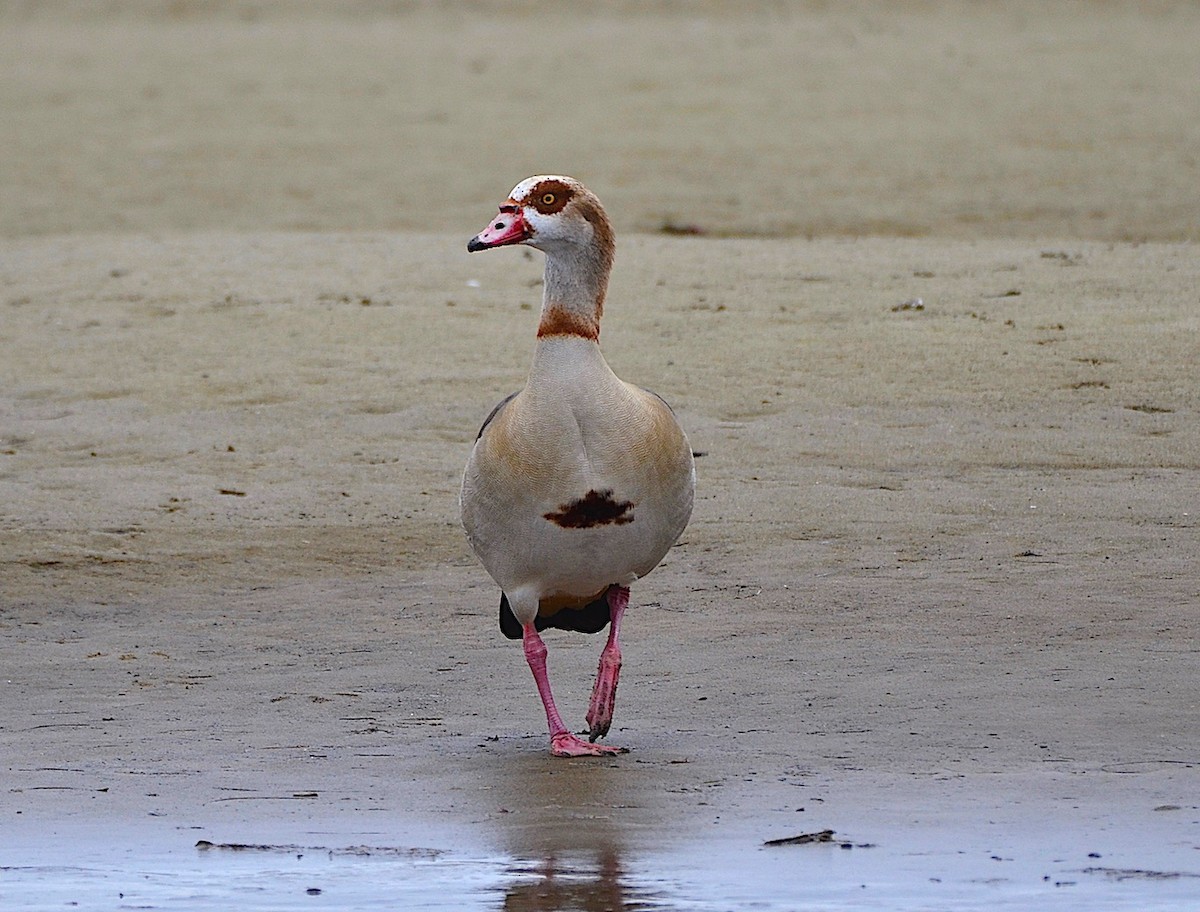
[[933, 325]]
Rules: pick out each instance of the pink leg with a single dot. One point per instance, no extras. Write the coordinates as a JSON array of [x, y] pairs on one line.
[[562, 742], [604, 694]]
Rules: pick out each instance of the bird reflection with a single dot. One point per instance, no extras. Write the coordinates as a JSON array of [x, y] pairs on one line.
[[572, 885], [566, 826]]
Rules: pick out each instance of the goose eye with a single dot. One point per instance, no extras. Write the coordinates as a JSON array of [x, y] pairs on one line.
[[548, 199]]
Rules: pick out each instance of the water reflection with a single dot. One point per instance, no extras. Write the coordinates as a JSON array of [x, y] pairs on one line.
[[570, 828], [575, 884]]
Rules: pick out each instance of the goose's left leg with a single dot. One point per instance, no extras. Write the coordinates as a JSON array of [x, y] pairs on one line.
[[604, 694], [562, 742]]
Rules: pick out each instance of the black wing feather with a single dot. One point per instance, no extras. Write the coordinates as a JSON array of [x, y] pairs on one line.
[[591, 618], [494, 412]]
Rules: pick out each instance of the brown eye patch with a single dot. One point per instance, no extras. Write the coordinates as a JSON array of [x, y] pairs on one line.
[[549, 197]]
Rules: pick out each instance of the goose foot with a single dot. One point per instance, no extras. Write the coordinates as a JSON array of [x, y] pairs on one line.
[[604, 694], [565, 744]]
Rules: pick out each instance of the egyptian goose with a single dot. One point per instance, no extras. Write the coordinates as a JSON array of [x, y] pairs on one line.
[[579, 483]]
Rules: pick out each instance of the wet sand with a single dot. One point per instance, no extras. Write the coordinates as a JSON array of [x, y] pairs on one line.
[[939, 591]]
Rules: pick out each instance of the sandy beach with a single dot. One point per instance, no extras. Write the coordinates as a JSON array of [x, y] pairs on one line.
[[923, 286]]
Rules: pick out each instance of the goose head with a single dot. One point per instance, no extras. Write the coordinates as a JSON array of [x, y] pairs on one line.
[[555, 214]]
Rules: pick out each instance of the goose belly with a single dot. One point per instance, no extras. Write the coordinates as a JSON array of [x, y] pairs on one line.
[[567, 494], [575, 548], [574, 562]]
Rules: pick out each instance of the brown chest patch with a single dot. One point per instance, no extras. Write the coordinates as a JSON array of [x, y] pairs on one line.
[[596, 508]]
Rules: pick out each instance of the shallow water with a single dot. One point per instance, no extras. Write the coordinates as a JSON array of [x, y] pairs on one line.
[[1030, 866]]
